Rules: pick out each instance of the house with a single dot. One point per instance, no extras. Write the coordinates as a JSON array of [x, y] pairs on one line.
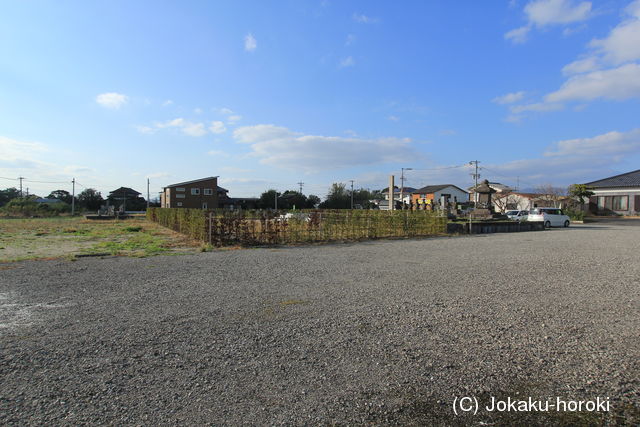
[[126, 199], [619, 194], [406, 194], [520, 201], [434, 195], [499, 189], [46, 200], [197, 194]]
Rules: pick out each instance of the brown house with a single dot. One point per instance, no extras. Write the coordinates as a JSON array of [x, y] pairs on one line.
[[197, 194]]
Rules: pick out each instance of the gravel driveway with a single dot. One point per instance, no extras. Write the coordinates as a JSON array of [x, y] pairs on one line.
[[385, 332]]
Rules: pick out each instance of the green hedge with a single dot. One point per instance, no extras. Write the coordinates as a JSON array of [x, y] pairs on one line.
[[190, 222]]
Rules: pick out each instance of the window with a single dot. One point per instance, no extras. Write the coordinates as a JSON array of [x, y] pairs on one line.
[[195, 191], [180, 189], [204, 206], [613, 203], [208, 191], [179, 204], [179, 196]]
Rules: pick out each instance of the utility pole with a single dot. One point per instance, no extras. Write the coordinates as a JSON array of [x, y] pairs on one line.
[[21, 178], [402, 185], [300, 184], [73, 197], [517, 183], [392, 204], [475, 175], [351, 193], [147, 193]]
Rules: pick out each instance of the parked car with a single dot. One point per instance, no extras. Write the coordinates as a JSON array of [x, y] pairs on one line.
[[551, 217], [517, 215]]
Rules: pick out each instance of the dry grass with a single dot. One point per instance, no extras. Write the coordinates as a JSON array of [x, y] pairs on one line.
[[46, 238]]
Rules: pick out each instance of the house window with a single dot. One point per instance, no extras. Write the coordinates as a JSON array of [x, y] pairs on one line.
[[204, 206], [179, 204], [195, 191], [613, 203], [179, 196], [180, 189], [208, 191]]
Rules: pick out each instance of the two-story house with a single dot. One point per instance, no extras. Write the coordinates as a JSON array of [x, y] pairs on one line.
[[196, 194]]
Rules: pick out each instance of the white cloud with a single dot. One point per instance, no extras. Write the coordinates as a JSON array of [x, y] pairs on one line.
[[518, 35], [234, 119], [197, 110], [147, 130], [607, 145], [217, 153], [393, 118], [167, 103], [226, 111], [187, 127], [217, 127], [509, 98], [194, 129], [537, 107], [581, 66], [250, 43], [623, 42], [347, 62], [281, 147], [616, 84], [364, 19], [549, 12], [542, 13], [13, 150], [112, 100]]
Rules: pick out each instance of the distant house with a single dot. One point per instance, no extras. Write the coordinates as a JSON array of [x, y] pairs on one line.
[[432, 195], [127, 199], [197, 194], [521, 201], [499, 189], [619, 194]]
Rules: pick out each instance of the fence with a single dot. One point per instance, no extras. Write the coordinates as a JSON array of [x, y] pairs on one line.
[[251, 227]]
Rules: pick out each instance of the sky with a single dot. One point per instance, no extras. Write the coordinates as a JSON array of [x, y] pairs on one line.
[[268, 94]]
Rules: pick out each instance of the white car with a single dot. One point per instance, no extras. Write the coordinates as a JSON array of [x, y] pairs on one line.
[[517, 215], [551, 217]]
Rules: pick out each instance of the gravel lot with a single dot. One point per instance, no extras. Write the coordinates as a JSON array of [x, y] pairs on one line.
[[385, 332]]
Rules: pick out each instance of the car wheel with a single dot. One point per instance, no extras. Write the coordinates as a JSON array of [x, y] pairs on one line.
[[566, 223], [547, 224]]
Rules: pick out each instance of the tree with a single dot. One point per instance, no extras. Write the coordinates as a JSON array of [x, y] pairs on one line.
[[338, 197], [8, 194], [90, 199], [312, 201], [580, 191], [62, 195], [550, 194], [267, 199]]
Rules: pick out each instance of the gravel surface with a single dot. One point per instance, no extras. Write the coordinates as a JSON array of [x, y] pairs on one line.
[[385, 332]]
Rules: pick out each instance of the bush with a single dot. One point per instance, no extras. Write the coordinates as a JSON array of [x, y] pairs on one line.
[[25, 206], [574, 214]]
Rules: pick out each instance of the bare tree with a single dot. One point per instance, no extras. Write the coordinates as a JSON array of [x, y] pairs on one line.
[[550, 195]]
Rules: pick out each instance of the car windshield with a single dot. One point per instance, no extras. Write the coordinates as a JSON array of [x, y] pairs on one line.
[[512, 212]]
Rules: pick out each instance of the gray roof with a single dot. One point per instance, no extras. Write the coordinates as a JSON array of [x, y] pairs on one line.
[[629, 179], [191, 182], [429, 189]]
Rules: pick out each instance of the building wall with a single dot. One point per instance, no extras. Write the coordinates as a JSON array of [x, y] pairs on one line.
[[183, 196], [632, 195]]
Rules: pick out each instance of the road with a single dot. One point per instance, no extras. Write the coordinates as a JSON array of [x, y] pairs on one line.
[[384, 333]]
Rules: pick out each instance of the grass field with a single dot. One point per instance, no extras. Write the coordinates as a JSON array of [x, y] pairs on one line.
[[41, 238]]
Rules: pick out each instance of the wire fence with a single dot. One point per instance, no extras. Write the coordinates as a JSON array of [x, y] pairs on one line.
[[268, 227]]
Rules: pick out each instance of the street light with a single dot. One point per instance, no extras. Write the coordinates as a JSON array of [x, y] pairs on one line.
[[402, 185]]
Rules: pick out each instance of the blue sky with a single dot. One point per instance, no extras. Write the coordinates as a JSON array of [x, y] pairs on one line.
[[267, 94]]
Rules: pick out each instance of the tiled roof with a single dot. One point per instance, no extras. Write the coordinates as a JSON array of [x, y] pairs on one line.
[[629, 179], [429, 189]]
